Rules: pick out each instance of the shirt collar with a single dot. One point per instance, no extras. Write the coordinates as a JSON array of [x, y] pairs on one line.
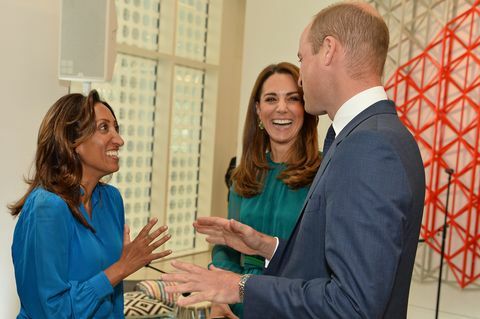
[[95, 194], [355, 105]]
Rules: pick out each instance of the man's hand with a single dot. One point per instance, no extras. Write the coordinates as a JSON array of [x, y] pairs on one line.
[[221, 310], [236, 235], [214, 285]]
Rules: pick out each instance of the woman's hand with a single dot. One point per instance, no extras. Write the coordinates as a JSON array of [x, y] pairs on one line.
[[139, 252]]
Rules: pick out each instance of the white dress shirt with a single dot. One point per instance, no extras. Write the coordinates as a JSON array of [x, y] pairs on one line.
[[356, 105]]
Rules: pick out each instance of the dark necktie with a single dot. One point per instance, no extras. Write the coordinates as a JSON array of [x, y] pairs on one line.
[[328, 140]]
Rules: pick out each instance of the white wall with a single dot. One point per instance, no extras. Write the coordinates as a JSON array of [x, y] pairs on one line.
[[272, 34], [28, 86]]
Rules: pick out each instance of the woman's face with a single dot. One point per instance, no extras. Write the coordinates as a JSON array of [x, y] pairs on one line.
[[99, 153], [280, 109]]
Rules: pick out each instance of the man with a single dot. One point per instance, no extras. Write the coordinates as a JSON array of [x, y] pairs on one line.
[[352, 251]]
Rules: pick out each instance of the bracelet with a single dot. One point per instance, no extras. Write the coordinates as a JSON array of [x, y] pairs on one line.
[[241, 285]]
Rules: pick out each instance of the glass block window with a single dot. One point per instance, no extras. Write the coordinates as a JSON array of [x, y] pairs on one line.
[[185, 143], [131, 93], [138, 22], [192, 26], [164, 76]]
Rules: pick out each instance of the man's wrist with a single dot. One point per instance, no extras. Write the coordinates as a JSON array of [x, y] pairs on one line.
[[269, 245], [268, 260], [241, 285]]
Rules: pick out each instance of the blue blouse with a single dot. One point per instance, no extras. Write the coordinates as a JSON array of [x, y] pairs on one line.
[[59, 263]]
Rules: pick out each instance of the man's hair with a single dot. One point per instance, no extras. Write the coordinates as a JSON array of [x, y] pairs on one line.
[[360, 29]]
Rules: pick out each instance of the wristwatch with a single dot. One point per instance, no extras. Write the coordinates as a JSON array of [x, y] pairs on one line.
[[241, 285]]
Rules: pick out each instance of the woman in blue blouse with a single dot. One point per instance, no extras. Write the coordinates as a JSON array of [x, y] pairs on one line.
[[71, 249], [280, 158]]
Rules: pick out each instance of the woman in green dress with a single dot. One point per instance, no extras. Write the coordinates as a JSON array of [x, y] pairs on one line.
[[279, 161]]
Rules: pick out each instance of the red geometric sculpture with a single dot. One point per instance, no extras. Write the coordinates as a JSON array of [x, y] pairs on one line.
[[438, 99]]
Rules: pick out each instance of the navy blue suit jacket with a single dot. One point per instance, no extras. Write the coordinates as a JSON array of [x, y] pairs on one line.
[[352, 251]]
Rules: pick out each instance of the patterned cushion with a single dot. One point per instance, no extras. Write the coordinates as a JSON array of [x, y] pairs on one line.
[[156, 289], [138, 305]]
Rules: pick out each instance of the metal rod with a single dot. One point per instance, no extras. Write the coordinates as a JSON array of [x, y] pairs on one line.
[[449, 171]]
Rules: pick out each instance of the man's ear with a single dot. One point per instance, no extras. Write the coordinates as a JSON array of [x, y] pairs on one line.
[[330, 49]]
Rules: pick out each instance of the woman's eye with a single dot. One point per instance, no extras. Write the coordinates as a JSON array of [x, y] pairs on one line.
[[103, 127], [270, 100], [295, 98]]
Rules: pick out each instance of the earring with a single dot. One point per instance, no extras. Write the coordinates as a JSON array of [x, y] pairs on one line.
[[260, 124]]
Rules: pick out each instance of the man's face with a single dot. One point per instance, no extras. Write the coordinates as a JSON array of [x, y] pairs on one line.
[[310, 75]]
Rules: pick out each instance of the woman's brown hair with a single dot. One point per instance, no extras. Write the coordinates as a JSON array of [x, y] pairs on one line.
[[303, 157], [58, 169]]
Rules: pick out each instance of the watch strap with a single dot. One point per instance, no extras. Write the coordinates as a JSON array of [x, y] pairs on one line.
[[241, 285]]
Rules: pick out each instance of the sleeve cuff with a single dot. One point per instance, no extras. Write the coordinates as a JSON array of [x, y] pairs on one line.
[[101, 285], [267, 261]]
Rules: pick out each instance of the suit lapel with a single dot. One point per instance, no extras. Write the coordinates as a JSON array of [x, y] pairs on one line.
[[381, 107], [320, 171]]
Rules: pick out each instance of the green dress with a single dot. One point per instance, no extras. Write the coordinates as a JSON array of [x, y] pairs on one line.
[[274, 212]]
